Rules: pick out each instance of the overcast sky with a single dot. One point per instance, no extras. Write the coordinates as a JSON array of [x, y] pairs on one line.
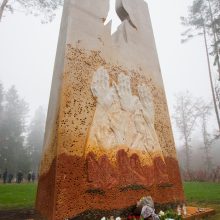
[[27, 52]]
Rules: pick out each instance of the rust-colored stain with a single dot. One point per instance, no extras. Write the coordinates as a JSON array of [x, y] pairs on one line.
[[75, 194], [127, 171], [77, 176]]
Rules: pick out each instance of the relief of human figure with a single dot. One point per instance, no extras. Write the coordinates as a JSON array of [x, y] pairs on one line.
[[123, 120], [106, 131]]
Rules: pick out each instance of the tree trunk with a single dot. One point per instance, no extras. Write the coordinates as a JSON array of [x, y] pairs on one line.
[[211, 81], [188, 162], [215, 37], [2, 7]]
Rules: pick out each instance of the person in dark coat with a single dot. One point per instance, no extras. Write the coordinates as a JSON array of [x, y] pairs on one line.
[[33, 176], [29, 177], [19, 176], [10, 178], [5, 176]]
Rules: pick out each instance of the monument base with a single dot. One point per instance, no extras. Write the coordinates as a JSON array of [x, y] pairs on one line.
[[123, 213], [195, 213], [82, 200]]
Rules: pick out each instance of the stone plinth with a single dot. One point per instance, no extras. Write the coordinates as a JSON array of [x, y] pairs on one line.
[[108, 139], [194, 213]]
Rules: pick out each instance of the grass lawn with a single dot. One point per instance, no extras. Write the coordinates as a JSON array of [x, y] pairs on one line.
[[17, 196], [21, 196], [202, 192], [204, 195]]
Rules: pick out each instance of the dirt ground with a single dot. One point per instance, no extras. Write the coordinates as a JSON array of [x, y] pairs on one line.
[[21, 214], [31, 214]]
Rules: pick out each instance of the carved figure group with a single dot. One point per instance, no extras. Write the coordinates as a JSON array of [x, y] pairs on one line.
[[121, 118]]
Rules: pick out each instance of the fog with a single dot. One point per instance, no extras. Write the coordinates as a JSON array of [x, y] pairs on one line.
[[28, 48]]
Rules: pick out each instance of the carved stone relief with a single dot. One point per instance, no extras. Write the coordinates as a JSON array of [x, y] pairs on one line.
[[123, 121], [121, 118]]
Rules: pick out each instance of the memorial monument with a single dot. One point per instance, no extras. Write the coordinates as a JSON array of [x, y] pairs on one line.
[[108, 138]]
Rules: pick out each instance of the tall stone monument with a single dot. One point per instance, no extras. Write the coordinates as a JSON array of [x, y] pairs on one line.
[[108, 139]]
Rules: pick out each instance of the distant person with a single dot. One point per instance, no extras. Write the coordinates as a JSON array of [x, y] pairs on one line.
[[19, 176], [5, 176], [29, 177], [33, 176], [10, 178]]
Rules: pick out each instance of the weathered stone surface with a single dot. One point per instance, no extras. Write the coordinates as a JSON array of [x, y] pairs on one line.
[[108, 138]]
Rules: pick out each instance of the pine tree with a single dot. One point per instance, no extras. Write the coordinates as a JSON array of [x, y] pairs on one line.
[[200, 22], [35, 138], [13, 154]]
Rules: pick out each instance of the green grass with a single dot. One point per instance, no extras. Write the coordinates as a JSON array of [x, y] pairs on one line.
[[22, 196], [17, 196], [204, 195], [202, 192]]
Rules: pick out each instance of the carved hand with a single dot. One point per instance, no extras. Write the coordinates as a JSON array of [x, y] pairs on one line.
[[101, 89], [147, 103], [127, 100]]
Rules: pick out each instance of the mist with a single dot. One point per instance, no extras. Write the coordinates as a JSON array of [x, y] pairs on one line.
[[28, 49]]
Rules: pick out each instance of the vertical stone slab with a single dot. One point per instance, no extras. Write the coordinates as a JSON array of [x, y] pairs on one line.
[[108, 139], [47, 183]]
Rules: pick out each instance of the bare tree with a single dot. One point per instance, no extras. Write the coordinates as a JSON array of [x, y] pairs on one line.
[[206, 137], [186, 113], [217, 91], [35, 7]]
